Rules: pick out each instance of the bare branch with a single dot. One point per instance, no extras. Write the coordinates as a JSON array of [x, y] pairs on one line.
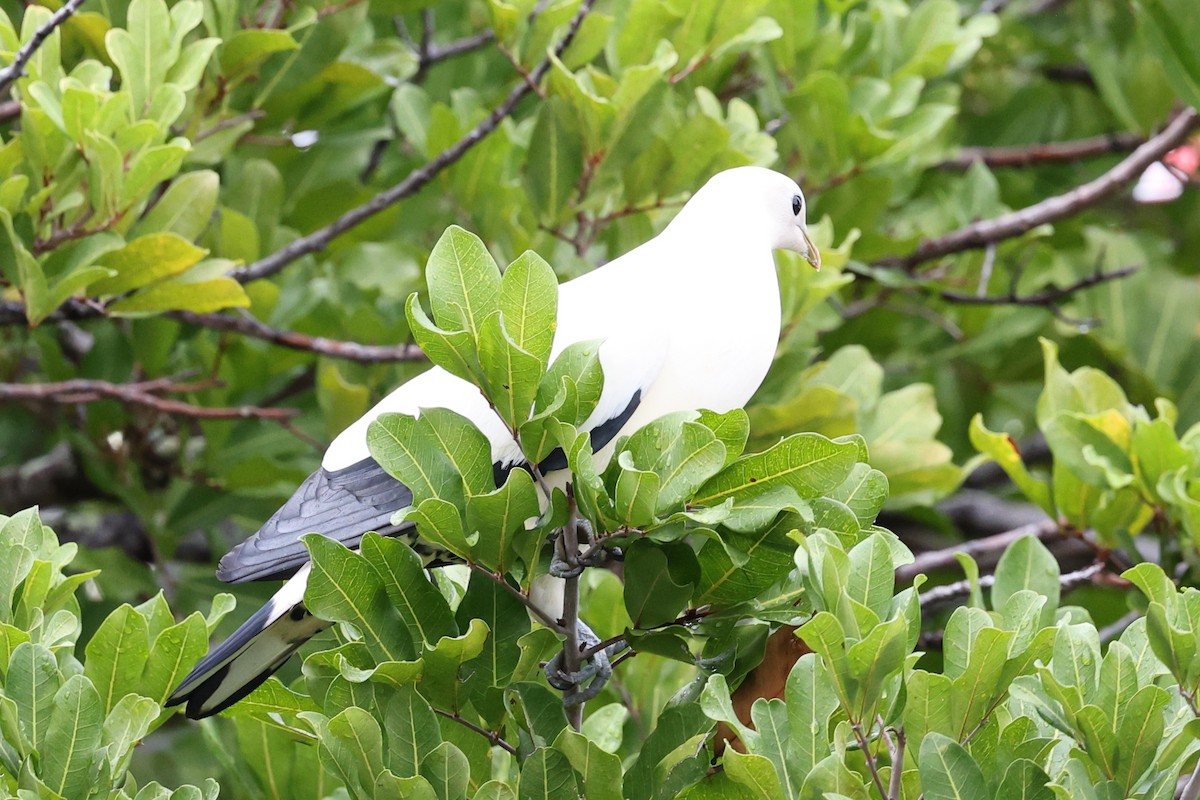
[[1046, 531], [1046, 298], [82, 390], [418, 178], [952, 591], [9, 110], [16, 69], [492, 736], [13, 313], [246, 325], [1006, 226], [1047, 153]]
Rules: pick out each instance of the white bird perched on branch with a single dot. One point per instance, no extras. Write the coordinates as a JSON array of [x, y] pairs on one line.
[[688, 320]]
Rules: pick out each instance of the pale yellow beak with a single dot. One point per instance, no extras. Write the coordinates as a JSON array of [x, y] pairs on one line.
[[813, 255]]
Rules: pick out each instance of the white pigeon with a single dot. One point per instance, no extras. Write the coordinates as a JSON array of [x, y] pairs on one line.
[[688, 320]]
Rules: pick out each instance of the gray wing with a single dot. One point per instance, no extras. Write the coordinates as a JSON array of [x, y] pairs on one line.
[[342, 504]]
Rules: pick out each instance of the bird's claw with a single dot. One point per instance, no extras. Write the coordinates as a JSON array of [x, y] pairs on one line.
[[590, 680]]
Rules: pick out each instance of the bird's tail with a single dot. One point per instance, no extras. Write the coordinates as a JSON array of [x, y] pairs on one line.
[[260, 646]]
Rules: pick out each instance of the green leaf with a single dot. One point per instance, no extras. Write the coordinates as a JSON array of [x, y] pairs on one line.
[[448, 771], [453, 351], [656, 589], [32, 682], [351, 745], [146, 260], [412, 731], [424, 610], [174, 652], [507, 622], [499, 518], [185, 209], [142, 53], [599, 771], [464, 281], [73, 738], [547, 775], [554, 165], [808, 462], [116, 655], [247, 48], [512, 374], [442, 681], [344, 587], [1027, 564], [947, 771], [755, 772], [529, 305], [1172, 34], [438, 522], [636, 493], [1024, 780], [1003, 450], [202, 297]]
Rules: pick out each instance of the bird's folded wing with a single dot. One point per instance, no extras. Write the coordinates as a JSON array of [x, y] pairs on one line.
[[346, 503], [341, 504]]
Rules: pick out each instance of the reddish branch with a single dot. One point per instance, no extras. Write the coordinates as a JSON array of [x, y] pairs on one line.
[[1047, 153], [418, 178], [16, 69], [145, 393], [247, 325], [985, 232]]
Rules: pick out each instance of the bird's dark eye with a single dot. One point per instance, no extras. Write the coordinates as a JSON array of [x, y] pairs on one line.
[[797, 204]]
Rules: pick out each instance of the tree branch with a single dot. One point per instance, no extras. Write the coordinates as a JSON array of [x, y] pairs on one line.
[[16, 69], [492, 736], [1046, 153], [246, 325], [1006, 226], [416, 179], [13, 313], [9, 110], [1046, 531], [951, 591], [82, 390], [1046, 298]]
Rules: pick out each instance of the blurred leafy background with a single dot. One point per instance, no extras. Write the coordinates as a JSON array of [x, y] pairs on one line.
[[186, 317]]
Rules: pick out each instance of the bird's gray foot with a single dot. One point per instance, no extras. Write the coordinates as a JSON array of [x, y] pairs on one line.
[[594, 675]]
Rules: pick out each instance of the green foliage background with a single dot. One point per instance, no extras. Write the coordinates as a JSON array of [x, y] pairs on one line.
[[154, 154]]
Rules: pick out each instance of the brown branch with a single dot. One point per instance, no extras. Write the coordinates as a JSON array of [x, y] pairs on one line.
[[16, 69], [1047, 153], [1051, 296], [492, 736], [1006, 226], [418, 178], [923, 563], [9, 110], [82, 390], [246, 325], [13, 313]]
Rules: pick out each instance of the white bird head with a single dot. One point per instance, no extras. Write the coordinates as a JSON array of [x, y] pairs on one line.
[[757, 202]]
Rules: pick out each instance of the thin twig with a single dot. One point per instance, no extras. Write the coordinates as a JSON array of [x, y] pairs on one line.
[[16, 69], [1006, 226], [542, 616], [418, 178], [229, 122], [492, 736], [952, 591], [1046, 153], [82, 390], [933, 560], [872, 767], [13, 313], [1046, 298], [247, 325]]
